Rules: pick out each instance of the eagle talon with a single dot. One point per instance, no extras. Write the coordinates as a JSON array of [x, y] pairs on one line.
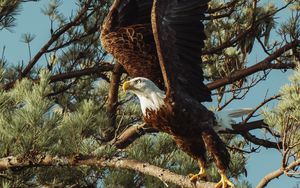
[[224, 182], [196, 177], [200, 176]]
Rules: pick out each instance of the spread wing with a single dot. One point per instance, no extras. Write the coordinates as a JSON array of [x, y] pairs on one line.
[[131, 12], [179, 35], [127, 35]]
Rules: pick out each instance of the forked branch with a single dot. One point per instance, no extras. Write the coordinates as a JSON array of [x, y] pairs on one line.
[[265, 64]]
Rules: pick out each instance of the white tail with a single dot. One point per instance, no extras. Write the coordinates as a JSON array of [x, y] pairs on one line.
[[225, 118]]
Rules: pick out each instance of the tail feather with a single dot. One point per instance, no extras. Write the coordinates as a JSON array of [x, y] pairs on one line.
[[225, 118], [239, 112]]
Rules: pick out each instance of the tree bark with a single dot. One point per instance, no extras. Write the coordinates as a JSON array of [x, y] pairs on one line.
[[261, 66], [138, 130], [131, 134], [163, 174], [113, 94]]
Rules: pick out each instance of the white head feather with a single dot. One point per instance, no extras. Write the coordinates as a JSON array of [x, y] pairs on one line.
[[150, 96]]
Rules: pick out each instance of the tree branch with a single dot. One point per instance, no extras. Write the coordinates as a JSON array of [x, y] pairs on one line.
[[129, 135], [241, 34], [98, 69], [103, 67], [261, 66], [54, 37], [269, 177], [225, 6], [138, 130], [261, 142], [113, 93], [246, 127], [163, 174]]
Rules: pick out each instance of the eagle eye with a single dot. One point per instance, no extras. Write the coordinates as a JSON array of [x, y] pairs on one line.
[[137, 81]]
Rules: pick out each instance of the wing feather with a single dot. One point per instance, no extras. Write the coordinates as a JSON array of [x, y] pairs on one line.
[[131, 12], [179, 35], [127, 34]]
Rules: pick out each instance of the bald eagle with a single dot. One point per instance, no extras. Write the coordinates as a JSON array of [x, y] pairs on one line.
[[152, 98], [159, 43]]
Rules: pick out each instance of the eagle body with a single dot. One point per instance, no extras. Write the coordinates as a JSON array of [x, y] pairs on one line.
[[160, 113], [159, 42], [152, 99]]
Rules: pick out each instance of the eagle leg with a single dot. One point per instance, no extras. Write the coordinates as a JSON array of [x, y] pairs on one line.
[[202, 173], [224, 182]]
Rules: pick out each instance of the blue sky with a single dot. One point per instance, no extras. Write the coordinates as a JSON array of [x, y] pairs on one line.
[[31, 20]]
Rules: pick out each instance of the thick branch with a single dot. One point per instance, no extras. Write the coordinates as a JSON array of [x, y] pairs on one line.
[[269, 177], [113, 93], [163, 174], [244, 128], [131, 134], [261, 142], [136, 131], [261, 66]]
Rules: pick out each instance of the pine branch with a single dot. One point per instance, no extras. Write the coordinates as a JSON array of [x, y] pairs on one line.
[[138, 130], [131, 134], [54, 37], [269, 177], [98, 69], [228, 5], [163, 174], [102, 67], [261, 66], [242, 34]]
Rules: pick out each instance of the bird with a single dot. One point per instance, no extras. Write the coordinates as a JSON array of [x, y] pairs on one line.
[[159, 44], [152, 98]]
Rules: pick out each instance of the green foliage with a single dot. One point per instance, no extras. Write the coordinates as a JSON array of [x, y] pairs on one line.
[[31, 123], [285, 116], [160, 150], [119, 178], [27, 37], [69, 116], [224, 30], [6, 185], [52, 11], [8, 10], [26, 121]]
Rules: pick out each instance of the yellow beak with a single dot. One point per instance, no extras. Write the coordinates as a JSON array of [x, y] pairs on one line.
[[126, 86]]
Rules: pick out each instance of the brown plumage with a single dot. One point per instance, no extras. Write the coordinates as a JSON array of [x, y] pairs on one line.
[[130, 39], [162, 40]]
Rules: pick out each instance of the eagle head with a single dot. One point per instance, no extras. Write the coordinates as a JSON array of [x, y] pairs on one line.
[[150, 96]]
